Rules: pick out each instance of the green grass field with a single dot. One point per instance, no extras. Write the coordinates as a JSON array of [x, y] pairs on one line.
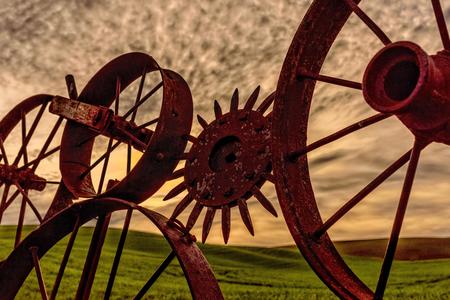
[[243, 272]]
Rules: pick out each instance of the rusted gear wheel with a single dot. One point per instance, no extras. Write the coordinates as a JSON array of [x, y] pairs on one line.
[[24, 133], [401, 80], [161, 148], [16, 268], [227, 164]]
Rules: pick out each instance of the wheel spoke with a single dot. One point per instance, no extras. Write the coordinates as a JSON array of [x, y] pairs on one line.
[[398, 221], [151, 122], [139, 93], [93, 257], [23, 206], [24, 136], [47, 181], [338, 135], [47, 143], [2, 149], [128, 158], [369, 22], [10, 200], [116, 102], [99, 160], [155, 275], [133, 139], [37, 267], [65, 260], [105, 166], [363, 193], [28, 200], [133, 116], [35, 162], [328, 79], [442, 26], [3, 203], [30, 134], [142, 101], [115, 266]]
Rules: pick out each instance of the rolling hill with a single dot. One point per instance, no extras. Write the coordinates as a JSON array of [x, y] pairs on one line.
[[242, 272], [408, 248]]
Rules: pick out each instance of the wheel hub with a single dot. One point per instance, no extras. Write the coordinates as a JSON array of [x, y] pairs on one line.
[[231, 156], [402, 79], [10, 174]]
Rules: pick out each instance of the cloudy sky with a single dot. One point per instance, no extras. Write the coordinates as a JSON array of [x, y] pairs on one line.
[[218, 46]]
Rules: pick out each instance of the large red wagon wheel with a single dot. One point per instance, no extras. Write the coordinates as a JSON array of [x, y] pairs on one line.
[[27, 142], [401, 80], [16, 268]]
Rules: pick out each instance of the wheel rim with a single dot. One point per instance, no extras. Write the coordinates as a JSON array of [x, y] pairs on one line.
[[401, 80], [24, 164], [15, 269], [166, 145]]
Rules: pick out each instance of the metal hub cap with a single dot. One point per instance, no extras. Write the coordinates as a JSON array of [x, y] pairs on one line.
[[230, 157], [227, 164], [403, 80]]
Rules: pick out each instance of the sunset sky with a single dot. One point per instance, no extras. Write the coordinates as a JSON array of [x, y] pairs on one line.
[[218, 46]]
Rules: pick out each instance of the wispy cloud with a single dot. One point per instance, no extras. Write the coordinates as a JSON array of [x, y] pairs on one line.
[[218, 46]]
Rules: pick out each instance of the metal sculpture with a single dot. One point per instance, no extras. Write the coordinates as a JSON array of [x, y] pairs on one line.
[[401, 80], [88, 117], [228, 162]]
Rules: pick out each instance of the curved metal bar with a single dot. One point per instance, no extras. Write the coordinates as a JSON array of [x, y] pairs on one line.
[[310, 45], [167, 142], [15, 269], [14, 116], [8, 123]]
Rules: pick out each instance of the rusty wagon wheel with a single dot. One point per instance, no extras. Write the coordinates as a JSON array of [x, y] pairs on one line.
[[16, 268], [227, 165], [27, 144], [401, 80], [89, 118]]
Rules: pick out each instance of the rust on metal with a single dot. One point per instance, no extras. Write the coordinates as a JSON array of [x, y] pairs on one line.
[[102, 120], [16, 267], [401, 80], [161, 150], [91, 116], [26, 178], [19, 170], [37, 267], [228, 162]]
